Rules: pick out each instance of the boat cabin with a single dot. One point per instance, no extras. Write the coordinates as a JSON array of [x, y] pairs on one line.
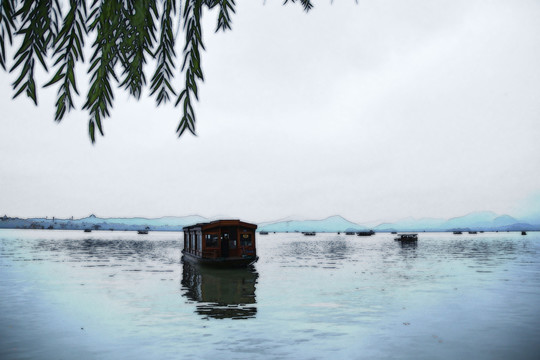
[[221, 242]]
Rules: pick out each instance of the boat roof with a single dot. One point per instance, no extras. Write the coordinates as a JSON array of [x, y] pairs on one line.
[[221, 223]]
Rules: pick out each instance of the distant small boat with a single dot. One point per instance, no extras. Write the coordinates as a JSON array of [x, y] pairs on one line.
[[309, 233], [87, 230], [407, 238], [394, 232], [264, 233], [523, 233], [365, 233], [349, 233], [457, 233], [143, 232], [473, 232]]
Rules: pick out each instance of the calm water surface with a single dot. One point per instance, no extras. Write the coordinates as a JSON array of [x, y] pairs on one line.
[[120, 295]]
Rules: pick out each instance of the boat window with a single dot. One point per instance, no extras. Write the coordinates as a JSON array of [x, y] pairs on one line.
[[199, 240], [211, 240], [246, 240]]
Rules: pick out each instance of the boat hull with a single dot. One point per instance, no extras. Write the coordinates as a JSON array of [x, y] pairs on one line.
[[231, 262]]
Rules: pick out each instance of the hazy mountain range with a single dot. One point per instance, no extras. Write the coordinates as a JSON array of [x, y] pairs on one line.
[[484, 220], [167, 223]]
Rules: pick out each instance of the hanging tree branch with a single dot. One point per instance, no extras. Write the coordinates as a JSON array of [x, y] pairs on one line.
[[69, 45], [164, 54], [7, 27], [124, 34], [37, 30]]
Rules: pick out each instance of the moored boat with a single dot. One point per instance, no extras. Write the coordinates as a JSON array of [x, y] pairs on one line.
[[87, 230], [264, 233], [407, 237], [142, 232], [223, 243], [365, 233], [309, 233], [457, 233], [523, 233]]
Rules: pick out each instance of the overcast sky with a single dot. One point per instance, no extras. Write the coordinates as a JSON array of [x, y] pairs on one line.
[[374, 111]]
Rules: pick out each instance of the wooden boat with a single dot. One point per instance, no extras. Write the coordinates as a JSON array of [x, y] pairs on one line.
[[473, 232], [457, 233], [142, 232], [309, 233], [349, 233], [365, 233], [407, 238], [223, 243], [87, 230], [264, 233], [523, 233]]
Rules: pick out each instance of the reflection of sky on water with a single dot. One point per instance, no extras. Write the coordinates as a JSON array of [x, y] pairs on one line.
[[468, 296], [218, 293], [98, 250], [319, 253], [334, 251]]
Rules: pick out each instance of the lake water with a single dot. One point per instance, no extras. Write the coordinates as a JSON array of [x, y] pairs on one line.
[[120, 295]]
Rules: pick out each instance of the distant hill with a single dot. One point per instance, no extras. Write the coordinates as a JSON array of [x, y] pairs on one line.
[[168, 223], [331, 224], [411, 224], [481, 220], [477, 221]]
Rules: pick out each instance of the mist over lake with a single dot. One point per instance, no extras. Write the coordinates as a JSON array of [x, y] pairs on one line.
[[112, 295]]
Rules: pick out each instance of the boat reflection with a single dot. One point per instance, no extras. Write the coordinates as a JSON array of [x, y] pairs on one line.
[[220, 293], [408, 244]]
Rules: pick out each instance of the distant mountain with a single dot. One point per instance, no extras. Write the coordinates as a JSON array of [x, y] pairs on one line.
[[411, 224], [472, 220], [171, 221], [504, 220], [483, 220], [331, 224], [168, 223]]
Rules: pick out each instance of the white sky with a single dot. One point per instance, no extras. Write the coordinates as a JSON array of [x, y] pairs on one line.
[[375, 111]]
